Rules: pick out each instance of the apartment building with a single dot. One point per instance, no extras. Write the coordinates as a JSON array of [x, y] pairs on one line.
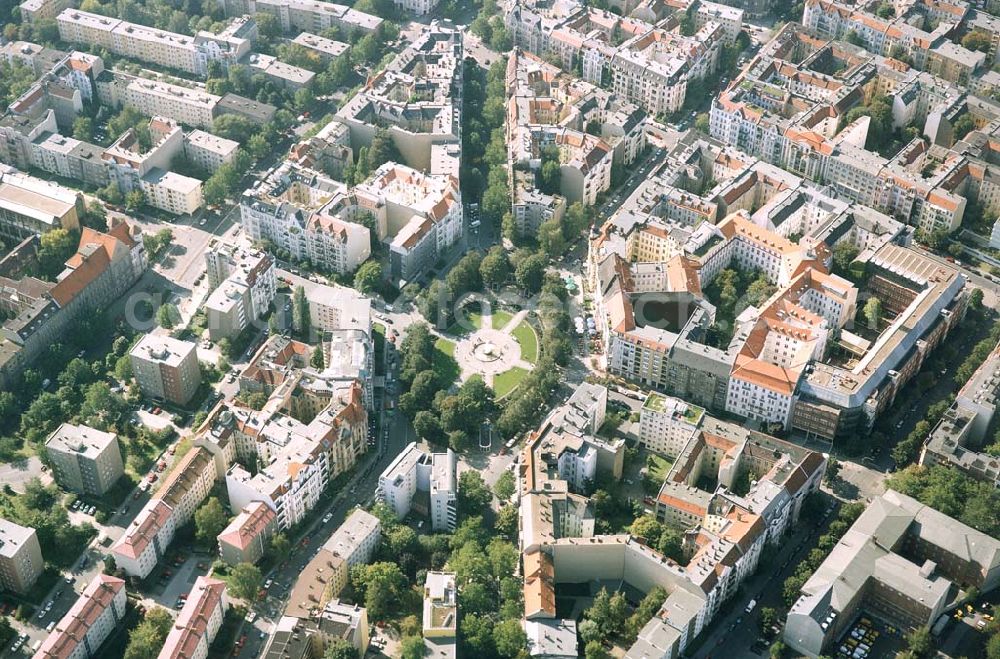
[[302, 629], [209, 151], [70, 158], [959, 437], [902, 33], [440, 614], [185, 105], [166, 368], [654, 69], [34, 10], [199, 621], [726, 534], [242, 284], [313, 428], [20, 557], [416, 99], [84, 460], [98, 612], [327, 49], [103, 268], [310, 215], [419, 215], [305, 15], [146, 539], [666, 424], [31, 206], [584, 160], [248, 535], [901, 562], [173, 192], [280, 73], [133, 164], [656, 322], [147, 44], [353, 543], [422, 481]]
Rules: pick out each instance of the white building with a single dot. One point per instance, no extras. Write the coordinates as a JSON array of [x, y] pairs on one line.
[[146, 539], [415, 471], [419, 215], [147, 44], [209, 151], [199, 621], [242, 284], [356, 539], [172, 192], [98, 612], [666, 424], [308, 214]]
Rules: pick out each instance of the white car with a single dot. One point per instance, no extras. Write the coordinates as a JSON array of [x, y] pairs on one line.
[[327, 517]]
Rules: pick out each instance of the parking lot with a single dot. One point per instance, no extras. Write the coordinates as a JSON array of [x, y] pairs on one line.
[[868, 637], [176, 577]]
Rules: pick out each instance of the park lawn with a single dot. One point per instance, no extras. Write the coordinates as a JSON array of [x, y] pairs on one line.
[[474, 317], [444, 361], [506, 382], [501, 318], [658, 467], [525, 337]]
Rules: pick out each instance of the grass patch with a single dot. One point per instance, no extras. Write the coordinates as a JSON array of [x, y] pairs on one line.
[[501, 318], [658, 466], [472, 314], [506, 382], [444, 361], [525, 337]]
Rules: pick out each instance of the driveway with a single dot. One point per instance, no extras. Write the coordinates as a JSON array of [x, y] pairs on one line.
[[17, 474]]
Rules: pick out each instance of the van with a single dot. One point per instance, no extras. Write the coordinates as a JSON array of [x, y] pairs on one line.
[[49, 627], [751, 606]]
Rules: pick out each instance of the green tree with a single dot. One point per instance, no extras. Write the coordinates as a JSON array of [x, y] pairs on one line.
[[594, 650], [920, 643], [977, 39], [368, 278], [530, 272], [280, 545], [473, 494], [83, 129], [509, 638], [381, 585], [506, 522], [55, 247], [504, 487], [167, 316], [495, 268], [209, 521], [244, 581], [412, 647], [147, 639], [873, 312], [134, 200], [550, 238], [427, 427], [316, 360], [339, 648]]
